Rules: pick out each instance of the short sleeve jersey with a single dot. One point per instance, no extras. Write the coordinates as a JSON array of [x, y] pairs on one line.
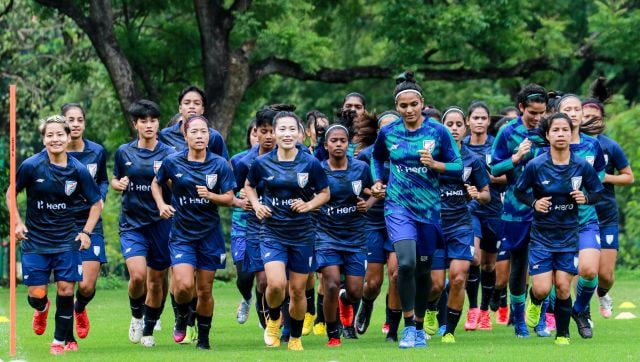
[[375, 215], [615, 160], [172, 137], [238, 215], [493, 208]]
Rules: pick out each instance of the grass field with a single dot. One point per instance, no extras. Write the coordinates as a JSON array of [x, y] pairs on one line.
[[615, 340]]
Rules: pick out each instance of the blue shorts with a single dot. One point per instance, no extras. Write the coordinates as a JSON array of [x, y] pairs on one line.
[[96, 251], [378, 246], [351, 263], [459, 244], [428, 237], [37, 268], [150, 241], [609, 237], [439, 260], [238, 246], [503, 255], [489, 230], [296, 258], [589, 237], [252, 258], [542, 261], [208, 254], [515, 235]]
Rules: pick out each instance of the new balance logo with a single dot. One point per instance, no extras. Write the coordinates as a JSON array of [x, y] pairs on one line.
[[127, 250], [40, 180], [536, 267], [128, 163], [178, 175], [546, 182], [178, 256], [394, 147]]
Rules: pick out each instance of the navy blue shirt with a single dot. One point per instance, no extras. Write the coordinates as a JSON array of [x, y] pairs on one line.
[[241, 171], [284, 183], [615, 160], [195, 218], [51, 192], [238, 215], [375, 215], [140, 165], [94, 157], [340, 224], [492, 209], [172, 137], [558, 229]]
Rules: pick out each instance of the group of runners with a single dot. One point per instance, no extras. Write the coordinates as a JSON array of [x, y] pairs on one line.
[[524, 205]]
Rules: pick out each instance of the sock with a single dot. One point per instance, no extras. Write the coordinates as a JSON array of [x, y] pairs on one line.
[[174, 305], [584, 292], [284, 308], [261, 308], [70, 337], [409, 321], [503, 297], [137, 306], [432, 305], [419, 325], [191, 321], [552, 300], [386, 309], [442, 308], [517, 298], [333, 330], [453, 317], [563, 316], [534, 300], [39, 304], [488, 282], [274, 313], [182, 310], [311, 303], [162, 306], [367, 306], [602, 292], [296, 327], [394, 321], [473, 282], [64, 317], [82, 301], [204, 326], [151, 316], [319, 309]]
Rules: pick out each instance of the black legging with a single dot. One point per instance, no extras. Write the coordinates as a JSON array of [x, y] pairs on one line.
[[244, 281], [414, 278], [518, 275]]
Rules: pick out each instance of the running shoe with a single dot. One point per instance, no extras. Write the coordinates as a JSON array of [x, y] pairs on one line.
[[148, 341], [295, 344], [191, 335], [82, 323], [408, 339], [346, 310], [40, 321], [319, 329], [562, 341], [550, 320], [391, 338], [494, 302], [484, 322], [588, 313], [56, 348], [606, 306], [363, 319], [179, 329], [334, 342], [448, 338], [204, 345], [307, 325], [385, 328], [583, 324], [421, 339], [472, 319], [441, 330], [135, 329], [431, 322], [503, 315], [533, 314], [242, 314], [71, 347], [272, 333], [158, 326], [541, 328], [349, 333]]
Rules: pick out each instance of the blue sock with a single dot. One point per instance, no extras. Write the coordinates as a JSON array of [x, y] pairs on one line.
[[552, 299], [585, 290], [517, 308]]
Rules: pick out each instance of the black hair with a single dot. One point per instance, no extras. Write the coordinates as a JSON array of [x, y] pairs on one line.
[[174, 119], [563, 98], [496, 126], [532, 93], [505, 110], [286, 114], [143, 108], [450, 110], [312, 116], [267, 114], [67, 106], [368, 132], [252, 125], [192, 88], [545, 124], [433, 113], [193, 119], [335, 127], [388, 113], [553, 99], [478, 104], [409, 83], [357, 95]]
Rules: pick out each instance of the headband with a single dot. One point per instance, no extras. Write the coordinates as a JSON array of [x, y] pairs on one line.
[[336, 126], [407, 91], [452, 109], [534, 95], [593, 105]]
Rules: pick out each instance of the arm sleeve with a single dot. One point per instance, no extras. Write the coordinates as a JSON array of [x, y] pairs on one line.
[[501, 162], [101, 179], [592, 185], [23, 176], [450, 154], [379, 155]]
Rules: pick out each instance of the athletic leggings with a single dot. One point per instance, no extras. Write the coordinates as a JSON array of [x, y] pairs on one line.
[[244, 281], [414, 278], [519, 265]]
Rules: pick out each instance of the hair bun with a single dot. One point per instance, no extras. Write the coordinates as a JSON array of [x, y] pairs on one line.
[[599, 89], [283, 107], [409, 76]]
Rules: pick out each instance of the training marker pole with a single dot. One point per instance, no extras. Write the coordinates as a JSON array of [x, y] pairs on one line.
[[12, 220]]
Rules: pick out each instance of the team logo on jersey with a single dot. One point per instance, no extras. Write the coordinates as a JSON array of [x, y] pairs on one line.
[[429, 145], [590, 159], [466, 173], [487, 158], [606, 159], [93, 168], [70, 187], [303, 179], [576, 183], [212, 180], [96, 250], [356, 186], [156, 166]]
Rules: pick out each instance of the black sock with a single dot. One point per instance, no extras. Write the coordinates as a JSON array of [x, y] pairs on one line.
[[488, 282], [442, 307], [419, 325], [82, 301], [137, 306], [503, 297], [367, 304], [296, 327], [204, 326], [563, 316], [284, 308], [332, 329], [534, 300], [39, 304], [261, 307], [602, 291], [162, 306], [394, 321], [453, 317], [191, 321], [151, 316], [64, 317], [432, 305], [473, 283], [244, 281], [70, 337], [320, 309], [182, 309], [174, 305], [387, 310], [274, 313], [311, 303], [409, 321]]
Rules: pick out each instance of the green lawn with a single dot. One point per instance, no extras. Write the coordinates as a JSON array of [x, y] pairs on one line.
[[615, 340]]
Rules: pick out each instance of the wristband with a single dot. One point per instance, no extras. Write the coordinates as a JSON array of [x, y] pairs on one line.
[[85, 232], [533, 205]]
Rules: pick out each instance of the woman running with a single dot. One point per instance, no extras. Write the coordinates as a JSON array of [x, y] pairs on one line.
[[200, 181], [557, 179], [144, 235], [419, 151], [50, 238], [289, 178]]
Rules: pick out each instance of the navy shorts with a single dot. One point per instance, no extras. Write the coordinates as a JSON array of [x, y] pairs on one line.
[[439, 260], [459, 244], [428, 237], [37, 268], [351, 263], [296, 258], [515, 235], [208, 254], [609, 237], [503, 255], [542, 261], [150, 241], [96, 251], [238, 247], [252, 257], [489, 230], [378, 246], [589, 237]]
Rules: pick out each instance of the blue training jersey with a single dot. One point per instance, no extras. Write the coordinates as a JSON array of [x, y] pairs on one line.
[[413, 189], [285, 182], [51, 192], [590, 150], [140, 166], [241, 171], [172, 137], [238, 215], [615, 160], [558, 229], [375, 215], [196, 218], [340, 224], [492, 209], [94, 157]]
